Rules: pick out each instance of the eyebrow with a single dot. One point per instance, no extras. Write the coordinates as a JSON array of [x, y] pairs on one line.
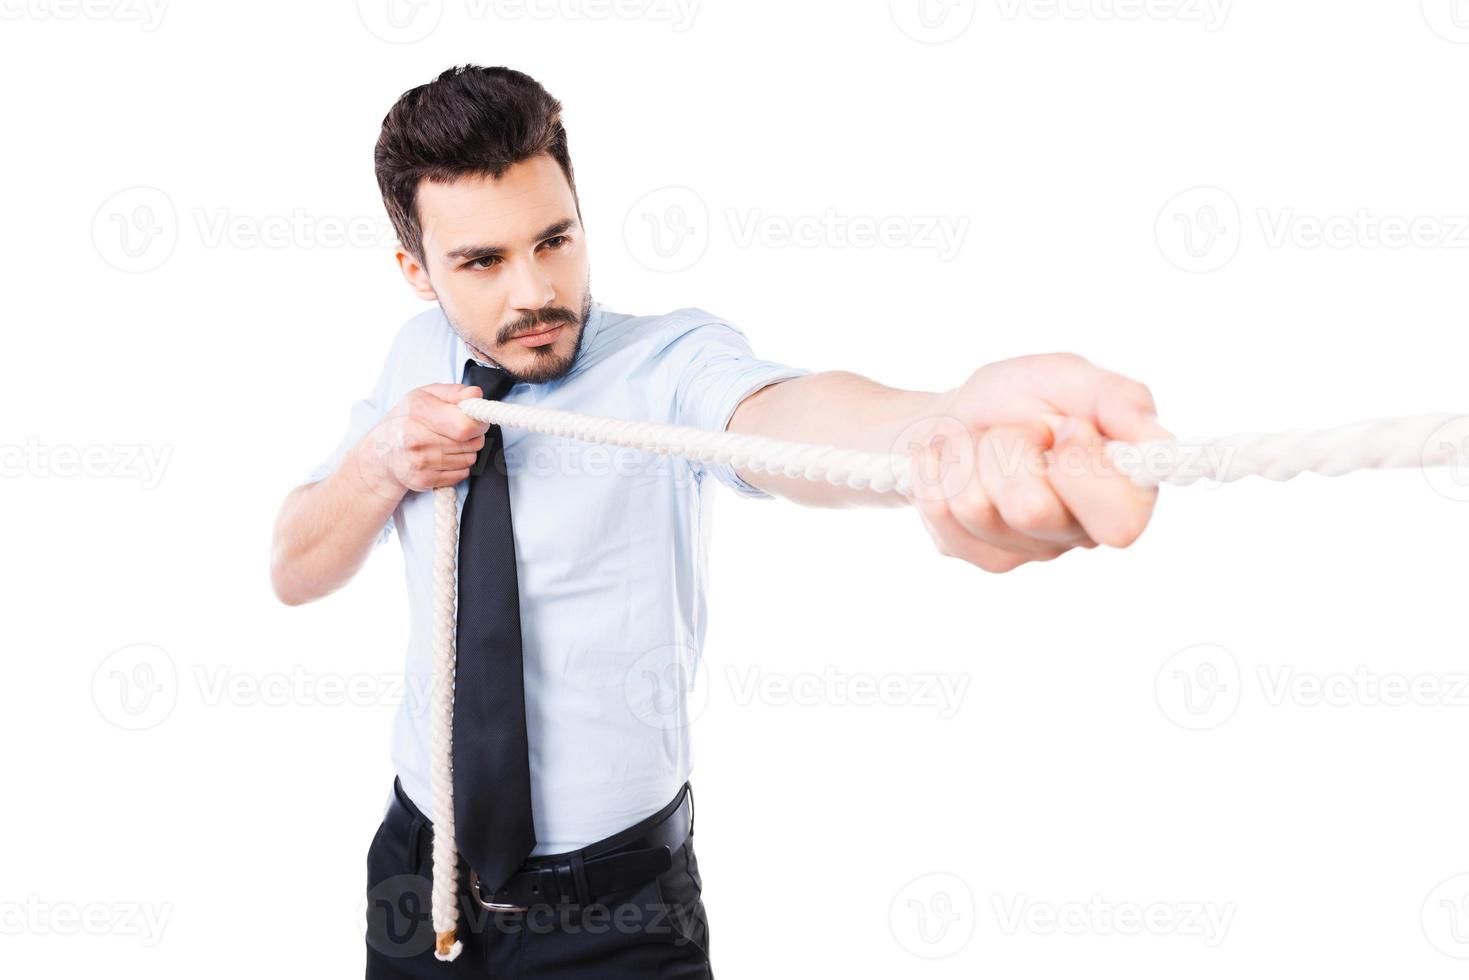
[[473, 252]]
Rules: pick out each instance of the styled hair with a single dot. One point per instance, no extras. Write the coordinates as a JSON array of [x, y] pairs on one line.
[[470, 121]]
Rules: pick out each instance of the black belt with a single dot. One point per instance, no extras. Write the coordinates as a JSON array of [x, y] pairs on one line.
[[626, 860]]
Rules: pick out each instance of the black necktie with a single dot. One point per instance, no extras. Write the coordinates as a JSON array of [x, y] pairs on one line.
[[492, 815]]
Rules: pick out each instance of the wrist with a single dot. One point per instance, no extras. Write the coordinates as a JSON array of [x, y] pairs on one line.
[[371, 465]]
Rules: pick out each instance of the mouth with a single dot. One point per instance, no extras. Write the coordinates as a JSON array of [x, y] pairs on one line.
[[541, 339]]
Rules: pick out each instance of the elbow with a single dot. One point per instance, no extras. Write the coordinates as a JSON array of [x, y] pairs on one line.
[[284, 582], [285, 588]]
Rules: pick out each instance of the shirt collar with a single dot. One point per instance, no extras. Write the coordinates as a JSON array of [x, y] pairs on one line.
[[462, 352]]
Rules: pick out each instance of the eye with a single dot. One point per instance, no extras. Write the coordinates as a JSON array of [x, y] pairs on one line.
[[556, 241], [484, 262]]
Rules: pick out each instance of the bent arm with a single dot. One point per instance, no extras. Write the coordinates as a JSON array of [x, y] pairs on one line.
[[326, 530]]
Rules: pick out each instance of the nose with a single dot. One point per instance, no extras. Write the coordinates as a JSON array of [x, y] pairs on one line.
[[531, 288]]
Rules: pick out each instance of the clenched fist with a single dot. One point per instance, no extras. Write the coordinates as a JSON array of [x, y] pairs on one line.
[[424, 442]]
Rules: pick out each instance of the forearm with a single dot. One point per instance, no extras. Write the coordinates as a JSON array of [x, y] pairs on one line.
[[835, 408], [327, 529]]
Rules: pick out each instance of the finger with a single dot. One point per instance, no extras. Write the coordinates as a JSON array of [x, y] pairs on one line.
[[995, 548], [1111, 508], [453, 393], [449, 421], [457, 461], [961, 509], [1012, 470], [1025, 388]]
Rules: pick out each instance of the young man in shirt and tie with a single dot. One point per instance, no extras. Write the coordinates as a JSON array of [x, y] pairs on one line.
[[581, 566]]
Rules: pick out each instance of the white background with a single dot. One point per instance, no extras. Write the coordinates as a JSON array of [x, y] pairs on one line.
[[217, 321]]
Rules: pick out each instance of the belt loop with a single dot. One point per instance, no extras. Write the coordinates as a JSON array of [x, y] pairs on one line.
[[584, 894]]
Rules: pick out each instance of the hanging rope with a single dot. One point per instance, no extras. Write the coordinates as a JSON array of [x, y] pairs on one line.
[[1419, 441]]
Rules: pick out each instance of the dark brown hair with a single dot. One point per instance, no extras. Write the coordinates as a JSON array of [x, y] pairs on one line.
[[470, 121]]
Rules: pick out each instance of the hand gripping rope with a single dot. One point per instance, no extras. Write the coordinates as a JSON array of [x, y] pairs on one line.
[[1420, 441]]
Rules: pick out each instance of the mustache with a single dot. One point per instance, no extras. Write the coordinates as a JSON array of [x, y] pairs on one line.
[[532, 322]]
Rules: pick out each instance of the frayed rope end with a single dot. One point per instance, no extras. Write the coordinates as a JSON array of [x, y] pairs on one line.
[[447, 948]]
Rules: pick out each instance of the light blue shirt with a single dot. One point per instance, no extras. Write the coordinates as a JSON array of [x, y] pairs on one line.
[[611, 555]]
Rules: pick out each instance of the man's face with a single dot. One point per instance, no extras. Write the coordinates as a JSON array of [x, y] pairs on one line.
[[507, 262]]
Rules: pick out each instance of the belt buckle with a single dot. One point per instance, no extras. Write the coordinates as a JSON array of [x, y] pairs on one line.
[[474, 890]]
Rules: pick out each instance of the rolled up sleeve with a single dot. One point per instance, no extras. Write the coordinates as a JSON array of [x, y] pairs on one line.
[[718, 371]]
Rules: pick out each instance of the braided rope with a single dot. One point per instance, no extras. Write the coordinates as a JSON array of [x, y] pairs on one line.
[[444, 910], [1425, 440], [1418, 441]]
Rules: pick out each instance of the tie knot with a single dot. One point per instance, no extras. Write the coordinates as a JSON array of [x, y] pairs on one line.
[[494, 382]]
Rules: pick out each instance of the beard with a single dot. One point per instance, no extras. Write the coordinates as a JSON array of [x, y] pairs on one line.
[[545, 364]]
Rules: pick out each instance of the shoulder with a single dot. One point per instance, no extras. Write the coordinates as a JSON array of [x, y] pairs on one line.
[[689, 326]]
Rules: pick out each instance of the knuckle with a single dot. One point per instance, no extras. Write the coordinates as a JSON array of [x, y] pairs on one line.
[[1030, 512]]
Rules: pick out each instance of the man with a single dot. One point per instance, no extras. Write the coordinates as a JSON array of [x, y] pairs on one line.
[[581, 567]]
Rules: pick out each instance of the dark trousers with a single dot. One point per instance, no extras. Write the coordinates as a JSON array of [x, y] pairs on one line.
[[656, 931]]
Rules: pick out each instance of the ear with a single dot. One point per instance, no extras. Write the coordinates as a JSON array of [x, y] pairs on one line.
[[416, 274]]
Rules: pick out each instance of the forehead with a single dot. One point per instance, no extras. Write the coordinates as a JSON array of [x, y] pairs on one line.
[[482, 210]]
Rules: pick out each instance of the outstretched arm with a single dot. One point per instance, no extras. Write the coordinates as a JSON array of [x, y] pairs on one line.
[[1008, 467]]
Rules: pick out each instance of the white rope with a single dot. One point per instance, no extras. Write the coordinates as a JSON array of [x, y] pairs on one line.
[[1419, 441], [1426, 441], [444, 907]]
